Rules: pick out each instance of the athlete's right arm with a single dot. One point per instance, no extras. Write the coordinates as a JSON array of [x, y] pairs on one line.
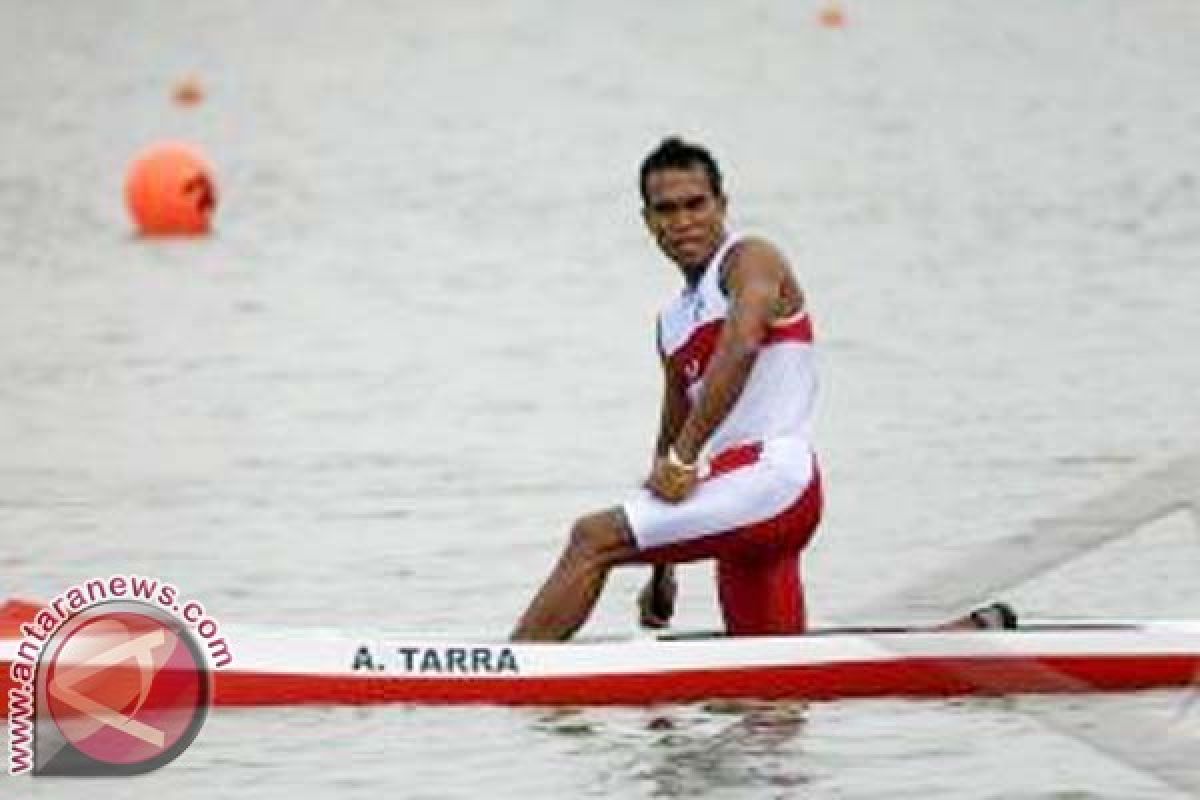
[[656, 601], [674, 409]]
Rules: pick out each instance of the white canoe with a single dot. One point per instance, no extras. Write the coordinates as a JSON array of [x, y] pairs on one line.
[[294, 667]]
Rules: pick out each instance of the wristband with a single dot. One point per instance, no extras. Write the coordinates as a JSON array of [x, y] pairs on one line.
[[675, 461]]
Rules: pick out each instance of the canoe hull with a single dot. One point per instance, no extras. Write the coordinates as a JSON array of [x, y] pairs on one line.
[[332, 668]]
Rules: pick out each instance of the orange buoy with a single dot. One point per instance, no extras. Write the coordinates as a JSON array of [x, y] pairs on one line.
[[832, 16], [188, 92], [170, 191]]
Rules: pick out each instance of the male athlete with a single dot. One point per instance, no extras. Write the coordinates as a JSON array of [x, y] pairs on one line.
[[734, 477]]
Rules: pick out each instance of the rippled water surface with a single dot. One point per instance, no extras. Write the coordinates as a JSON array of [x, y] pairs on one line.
[[420, 343]]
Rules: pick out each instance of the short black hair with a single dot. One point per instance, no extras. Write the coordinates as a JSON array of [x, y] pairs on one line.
[[674, 153]]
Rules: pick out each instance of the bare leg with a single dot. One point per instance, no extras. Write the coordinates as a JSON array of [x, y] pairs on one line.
[[598, 543]]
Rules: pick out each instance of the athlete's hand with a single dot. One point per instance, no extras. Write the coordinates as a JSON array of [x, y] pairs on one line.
[[656, 601], [671, 480]]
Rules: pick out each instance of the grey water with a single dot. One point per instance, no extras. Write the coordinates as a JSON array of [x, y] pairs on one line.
[[419, 343]]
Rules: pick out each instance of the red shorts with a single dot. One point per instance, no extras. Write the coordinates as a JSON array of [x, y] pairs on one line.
[[758, 564]]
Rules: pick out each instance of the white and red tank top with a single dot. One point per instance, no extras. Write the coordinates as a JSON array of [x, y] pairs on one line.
[[779, 397]]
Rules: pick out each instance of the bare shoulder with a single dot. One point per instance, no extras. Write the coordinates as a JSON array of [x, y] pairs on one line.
[[754, 257], [757, 261], [761, 247]]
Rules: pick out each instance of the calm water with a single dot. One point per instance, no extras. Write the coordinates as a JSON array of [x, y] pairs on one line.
[[420, 344]]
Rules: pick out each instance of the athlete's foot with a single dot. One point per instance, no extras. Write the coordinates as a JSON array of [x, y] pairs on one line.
[[996, 617]]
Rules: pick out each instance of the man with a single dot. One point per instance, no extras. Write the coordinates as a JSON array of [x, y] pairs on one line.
[[734, 477]]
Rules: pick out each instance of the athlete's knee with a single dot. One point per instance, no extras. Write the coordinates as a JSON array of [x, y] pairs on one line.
[[600, 537]]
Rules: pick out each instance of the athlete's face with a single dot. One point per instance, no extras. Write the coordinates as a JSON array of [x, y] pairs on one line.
[[685, 216]]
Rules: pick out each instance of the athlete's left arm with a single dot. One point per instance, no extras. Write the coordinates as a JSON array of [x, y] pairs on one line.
[[754, 280]]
